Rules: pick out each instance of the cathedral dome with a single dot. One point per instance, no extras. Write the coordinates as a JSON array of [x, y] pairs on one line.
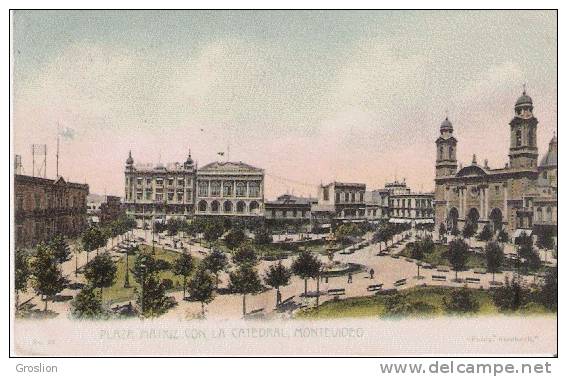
[[129, 160], [524, 99], [550, 158], [447, 125]]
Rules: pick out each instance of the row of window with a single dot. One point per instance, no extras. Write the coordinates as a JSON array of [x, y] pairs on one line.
[[228, 189], [37, 201], [159, 181], [228, 206], [419, 203], [348, 197]]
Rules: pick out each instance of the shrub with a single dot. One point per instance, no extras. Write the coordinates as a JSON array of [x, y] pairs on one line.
[[461, 301]]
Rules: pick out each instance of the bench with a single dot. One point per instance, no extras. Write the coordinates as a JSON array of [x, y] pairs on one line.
[[479, 271], [473, 280], [443, 269], [374, 287], [439, 277], [336, 291], [397, 283]]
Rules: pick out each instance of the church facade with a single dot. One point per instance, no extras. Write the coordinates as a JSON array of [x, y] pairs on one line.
[[519, 197]]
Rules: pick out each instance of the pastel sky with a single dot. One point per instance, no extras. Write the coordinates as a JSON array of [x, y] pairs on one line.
[[310, 96]]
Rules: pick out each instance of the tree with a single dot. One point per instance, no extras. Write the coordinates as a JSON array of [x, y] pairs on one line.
[[234, 238], [306, 266], [347, 231], [93, 238], [60, 249], [378, 237], [549, 293], [245, 280], [277, 276], [215, 262], [48, 279], [461, 301], [469, 230], [201, 288], [21, 274], [455, 231], [183, 266], [151, 299], [503, 236], [442, 230], [457, 255], [530, 258], [545, 239], [87, 305], [485, 234], [420, 249], [212, 231], [263, 237], [510, 296], [101, 272], [245, 255], [494, 258]]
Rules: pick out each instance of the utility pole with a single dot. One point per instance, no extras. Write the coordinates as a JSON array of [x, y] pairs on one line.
[[57, 154]]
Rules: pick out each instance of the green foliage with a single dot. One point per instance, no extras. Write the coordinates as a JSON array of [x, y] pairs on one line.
[[455, 231], [545, 238], [529, 257], [202, 286], [48, 279], [245, 255], [347, 231], [100, 272], [549, 291], [494, 257], [457, 254], [183, 265], [306, 265], [87, 305], [442, 230], [511, 296], [461, 301], [263, 237], [60, 248], [245, 280], [469, 230], [277, 276], [398, 305], [234, 238], [503, 236], [151, 297], [485, 234], [94, 238], [212, 230], [215, 262], [21, 270]]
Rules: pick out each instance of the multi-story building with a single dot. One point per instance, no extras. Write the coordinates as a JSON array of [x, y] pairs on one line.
[[233, 189], [505, 197], [156, 193], [289, 209], [339, 202], [377, 205], [46, 207], [103, 209]]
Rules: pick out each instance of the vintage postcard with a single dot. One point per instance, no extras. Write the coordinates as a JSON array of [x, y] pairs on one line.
[[284, 183]]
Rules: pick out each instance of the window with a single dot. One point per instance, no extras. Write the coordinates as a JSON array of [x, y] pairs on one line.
[[170, 195], [179, 195], [518, 138], [148, 194], [19, 202], [294, 213], [254, 188], [337, 198], [189, 196], [215, 188], [139, 195], [148, 181], [180, 182], [159, 181], [240, 189], [227, 189], [326, 193], [37, 201], [139, 181], [451, 153], [202, 206], [284, 213], [203, 188], [531, 137], [215, 206], [544, 175], [170, 181]]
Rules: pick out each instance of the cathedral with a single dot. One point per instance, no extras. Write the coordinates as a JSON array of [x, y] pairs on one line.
[[519, 197]]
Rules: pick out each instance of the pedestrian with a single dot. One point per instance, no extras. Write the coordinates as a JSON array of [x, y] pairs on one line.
[[349, 278], [371, 273]]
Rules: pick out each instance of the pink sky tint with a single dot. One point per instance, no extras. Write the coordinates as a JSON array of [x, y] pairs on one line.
[[367, 111]]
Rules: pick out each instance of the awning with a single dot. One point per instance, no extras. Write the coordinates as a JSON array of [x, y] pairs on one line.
[[424, 221], [400, 221], [519, 232], [325, 225]]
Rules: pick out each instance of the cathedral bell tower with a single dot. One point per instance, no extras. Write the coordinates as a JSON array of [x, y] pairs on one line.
[[523, 134], [446, 162]]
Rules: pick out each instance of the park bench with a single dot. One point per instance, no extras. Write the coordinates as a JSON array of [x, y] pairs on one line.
[[397, 283], [443, 269], [438, 277], [336, 291], [374, 287], [473, 280], [479, 271], [347, 251], [427, 266]]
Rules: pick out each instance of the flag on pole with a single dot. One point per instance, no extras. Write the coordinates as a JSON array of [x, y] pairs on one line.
[[67, 133]]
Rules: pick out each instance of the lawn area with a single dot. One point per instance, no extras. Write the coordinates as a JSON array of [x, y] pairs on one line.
[[118, 293], [437, 257], [428, 298]]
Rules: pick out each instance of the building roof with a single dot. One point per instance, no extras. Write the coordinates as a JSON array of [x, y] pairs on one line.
[[20, 178], [447, 125], [291, 199], [524, 99], [230, 167], [550, 158]]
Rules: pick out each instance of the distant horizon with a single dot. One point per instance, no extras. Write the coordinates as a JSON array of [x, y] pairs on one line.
[[309, 96]]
